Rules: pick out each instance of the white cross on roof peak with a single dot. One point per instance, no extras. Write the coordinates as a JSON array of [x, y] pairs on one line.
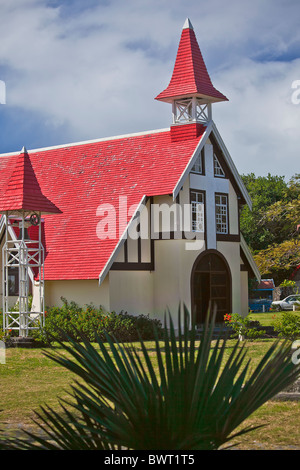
[[187, 24]]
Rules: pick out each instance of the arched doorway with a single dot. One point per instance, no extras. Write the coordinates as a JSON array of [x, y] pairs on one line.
[[210, 283]]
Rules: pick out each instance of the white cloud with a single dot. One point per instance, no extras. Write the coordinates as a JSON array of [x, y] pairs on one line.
[[260, 122], [95, 69]]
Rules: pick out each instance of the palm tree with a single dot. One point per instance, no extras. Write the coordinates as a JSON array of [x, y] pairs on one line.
[[194, 399]]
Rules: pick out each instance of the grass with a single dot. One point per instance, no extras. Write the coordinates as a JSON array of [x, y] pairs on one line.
[[267, 318], [29, 380]]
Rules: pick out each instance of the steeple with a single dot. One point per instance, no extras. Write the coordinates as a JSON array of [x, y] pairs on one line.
[[190, 90], [23, 192]]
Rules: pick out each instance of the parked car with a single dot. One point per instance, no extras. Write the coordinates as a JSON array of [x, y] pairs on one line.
[[287, 303]]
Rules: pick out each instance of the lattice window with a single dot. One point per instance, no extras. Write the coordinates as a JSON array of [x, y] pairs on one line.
[[218, 170], [203, 112], [197, 205], [183, 110], [191, 109], [221, 213]]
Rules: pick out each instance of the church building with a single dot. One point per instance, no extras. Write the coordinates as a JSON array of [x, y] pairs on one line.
[[141, 222]]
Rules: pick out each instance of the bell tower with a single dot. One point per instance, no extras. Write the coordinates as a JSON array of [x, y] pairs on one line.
[[22, 205], [190, 90]]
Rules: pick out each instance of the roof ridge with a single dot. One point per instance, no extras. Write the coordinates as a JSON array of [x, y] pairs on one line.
[[91, 141]]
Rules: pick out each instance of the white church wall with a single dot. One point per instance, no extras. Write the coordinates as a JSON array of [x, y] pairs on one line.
[[244, 294], [120, 258], [131, 291], [231, 251], [172, 277], [233, 211], [82, 291]]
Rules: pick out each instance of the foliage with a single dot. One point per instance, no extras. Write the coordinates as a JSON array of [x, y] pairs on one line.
[[288, 287], [195, 402], [14, 314], [282, 217], [4, 335], [73, 320], [16, 308], [264, 192], [243, 326], [279, 260], [288, 283], [287, 326], [270, 228]]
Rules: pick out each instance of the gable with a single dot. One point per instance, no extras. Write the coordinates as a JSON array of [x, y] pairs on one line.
[[225, 160]]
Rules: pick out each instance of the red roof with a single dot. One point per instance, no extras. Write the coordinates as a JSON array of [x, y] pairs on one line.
[[266, 284], [190, 76], [22, 191], [78, 178]]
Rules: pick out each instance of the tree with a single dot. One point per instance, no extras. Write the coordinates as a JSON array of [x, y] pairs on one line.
[[264, 192], [282, 217], [271, 228], [278, 261]]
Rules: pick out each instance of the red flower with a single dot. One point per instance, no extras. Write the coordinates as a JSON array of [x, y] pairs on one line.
[[227, 317]]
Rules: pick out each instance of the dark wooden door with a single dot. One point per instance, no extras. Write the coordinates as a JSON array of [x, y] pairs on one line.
[[211, 286]]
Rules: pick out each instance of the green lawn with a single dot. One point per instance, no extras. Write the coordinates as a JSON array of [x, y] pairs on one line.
[[29, 380], [267, 318]]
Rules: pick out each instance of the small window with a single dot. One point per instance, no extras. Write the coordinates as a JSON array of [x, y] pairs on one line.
[[198, 167], [218, 170], [13, 282], [221, 213], [197, 206]]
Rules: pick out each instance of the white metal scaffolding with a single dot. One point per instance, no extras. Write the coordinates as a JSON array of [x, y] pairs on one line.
[[22, 262]]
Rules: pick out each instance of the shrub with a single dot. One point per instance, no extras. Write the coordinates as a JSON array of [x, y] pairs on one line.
[[243, 326], [75, 321], [4, 335], [288, 325]]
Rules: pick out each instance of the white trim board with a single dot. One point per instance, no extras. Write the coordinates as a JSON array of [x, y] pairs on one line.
[[232, 166], [121, 242], [212, 128], [250, 258]]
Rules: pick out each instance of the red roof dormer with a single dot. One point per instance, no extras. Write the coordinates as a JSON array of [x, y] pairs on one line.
[[23, 191], [190, 76]]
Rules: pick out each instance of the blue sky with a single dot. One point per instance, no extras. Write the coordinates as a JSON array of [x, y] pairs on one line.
[[77, 70]]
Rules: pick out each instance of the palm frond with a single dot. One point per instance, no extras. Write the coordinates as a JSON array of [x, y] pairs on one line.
[[189, 397]]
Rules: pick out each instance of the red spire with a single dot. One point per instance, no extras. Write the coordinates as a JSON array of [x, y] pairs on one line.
[[190, 76], [23, 191]]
